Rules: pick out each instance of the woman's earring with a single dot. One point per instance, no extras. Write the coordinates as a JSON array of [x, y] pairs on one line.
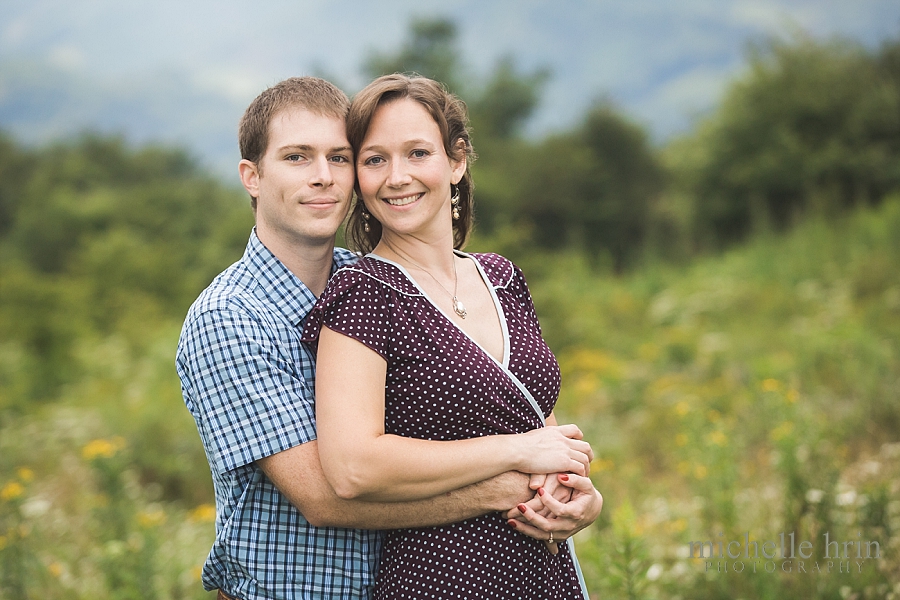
[[454, 201], [365, 216]]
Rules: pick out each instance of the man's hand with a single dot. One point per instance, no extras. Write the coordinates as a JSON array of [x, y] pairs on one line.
[[549, 512]]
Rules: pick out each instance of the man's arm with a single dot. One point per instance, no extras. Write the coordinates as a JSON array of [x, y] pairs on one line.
[[298, 475]]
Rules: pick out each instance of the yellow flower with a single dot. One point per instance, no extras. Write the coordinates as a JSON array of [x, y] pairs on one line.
[[700, 471], [12, 490], [101, 448], [771, 385], [782, 431], [151, 518], [792, 396], [678, 525], [25, 474], [718, 438], [55, 569], [682, 408], [681, 439], [601, 464], [196, 572], [205, 513]]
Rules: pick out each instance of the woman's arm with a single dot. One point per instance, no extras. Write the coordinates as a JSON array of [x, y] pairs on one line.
[[361, 461]]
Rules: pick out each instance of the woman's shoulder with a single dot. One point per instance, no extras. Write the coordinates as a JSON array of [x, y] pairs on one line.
[[500, 271], [372, 271]]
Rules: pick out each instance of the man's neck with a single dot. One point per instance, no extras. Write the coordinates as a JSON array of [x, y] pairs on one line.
[[311, 263]]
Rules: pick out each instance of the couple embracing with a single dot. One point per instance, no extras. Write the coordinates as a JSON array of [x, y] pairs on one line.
[[377, 427]]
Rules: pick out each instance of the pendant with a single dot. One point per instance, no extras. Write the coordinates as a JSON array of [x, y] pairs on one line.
[[458, 307]]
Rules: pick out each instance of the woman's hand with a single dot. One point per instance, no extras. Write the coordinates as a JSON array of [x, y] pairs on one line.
[[555, 449], [548, 512]]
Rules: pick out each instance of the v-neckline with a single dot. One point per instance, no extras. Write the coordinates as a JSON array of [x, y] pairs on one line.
[[501, 315]]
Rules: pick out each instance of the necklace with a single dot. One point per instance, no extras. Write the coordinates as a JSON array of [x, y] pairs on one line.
[[458, 307]]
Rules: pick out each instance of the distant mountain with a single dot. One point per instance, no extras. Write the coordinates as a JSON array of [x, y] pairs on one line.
[[40, 103]]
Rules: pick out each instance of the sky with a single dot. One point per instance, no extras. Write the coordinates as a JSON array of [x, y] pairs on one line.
[[183, 71]]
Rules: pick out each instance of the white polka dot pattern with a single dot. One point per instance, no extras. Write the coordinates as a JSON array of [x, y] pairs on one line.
[[442, 386]]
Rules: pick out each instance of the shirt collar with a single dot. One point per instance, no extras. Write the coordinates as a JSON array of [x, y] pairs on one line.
[[277, 283]]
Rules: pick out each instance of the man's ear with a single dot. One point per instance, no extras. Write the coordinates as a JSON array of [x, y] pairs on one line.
[[249, 172]]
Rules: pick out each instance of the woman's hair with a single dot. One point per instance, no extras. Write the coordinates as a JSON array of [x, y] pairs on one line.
[[448, 111]]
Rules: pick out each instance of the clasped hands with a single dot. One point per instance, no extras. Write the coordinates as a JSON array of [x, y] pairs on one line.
[[563, 504]]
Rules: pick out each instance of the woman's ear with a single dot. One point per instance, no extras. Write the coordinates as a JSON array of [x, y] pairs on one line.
[[458, 165]]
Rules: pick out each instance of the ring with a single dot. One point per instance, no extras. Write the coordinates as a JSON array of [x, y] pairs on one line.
[[550, 541]]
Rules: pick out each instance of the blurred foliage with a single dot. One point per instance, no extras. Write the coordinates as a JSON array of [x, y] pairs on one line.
[[751, 391], [811, 128], [99, 239]]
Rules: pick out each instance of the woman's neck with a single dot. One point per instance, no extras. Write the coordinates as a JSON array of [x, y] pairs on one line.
[[434, 256]]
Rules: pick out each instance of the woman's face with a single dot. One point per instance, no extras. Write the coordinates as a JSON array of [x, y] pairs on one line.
[[404, 174]]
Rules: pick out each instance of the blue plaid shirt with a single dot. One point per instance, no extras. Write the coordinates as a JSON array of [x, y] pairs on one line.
[[248, 381]]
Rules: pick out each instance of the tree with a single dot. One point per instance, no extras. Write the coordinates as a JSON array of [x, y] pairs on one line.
[[812, 128]]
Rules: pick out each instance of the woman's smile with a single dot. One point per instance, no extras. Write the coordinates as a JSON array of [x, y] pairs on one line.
[[404, 200]]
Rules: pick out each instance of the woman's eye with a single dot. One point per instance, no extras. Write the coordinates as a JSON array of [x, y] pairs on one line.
[[419, 153], [374, 161]]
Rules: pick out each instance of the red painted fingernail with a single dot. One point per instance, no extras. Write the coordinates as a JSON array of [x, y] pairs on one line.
[[512, 523], [563, 477], [540, 491], [522, 508]]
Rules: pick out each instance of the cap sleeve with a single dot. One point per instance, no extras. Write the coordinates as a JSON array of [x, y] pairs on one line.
[[354, 304]]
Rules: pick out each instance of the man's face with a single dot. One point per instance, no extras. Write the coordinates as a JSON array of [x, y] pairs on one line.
[[304, 181]]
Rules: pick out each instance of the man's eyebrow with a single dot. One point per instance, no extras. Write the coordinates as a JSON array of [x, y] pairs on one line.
[[308, 148]]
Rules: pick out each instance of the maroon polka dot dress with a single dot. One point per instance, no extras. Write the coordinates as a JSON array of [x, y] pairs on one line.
[[442, 386]]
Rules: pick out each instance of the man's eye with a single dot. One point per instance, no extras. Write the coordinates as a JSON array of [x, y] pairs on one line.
[[294, 157], [340, 159]]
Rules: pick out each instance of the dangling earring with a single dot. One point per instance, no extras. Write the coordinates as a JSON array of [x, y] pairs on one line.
[[365, 216], [454, 201]]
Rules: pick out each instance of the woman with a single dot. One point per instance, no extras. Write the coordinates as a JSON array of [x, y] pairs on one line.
[[423, 342]]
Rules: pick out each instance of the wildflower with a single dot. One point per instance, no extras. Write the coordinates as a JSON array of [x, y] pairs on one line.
[[55, 569], [654, 572], [25, 474], [205, 513], [682, 408], [782, 431], [700, 471], [196, 572], [602, 464], [792, 396], [681, 439], [717, 438], [151, 518], [12, 490], [771, 385], [101, 448], [814, 496], [846, 498]]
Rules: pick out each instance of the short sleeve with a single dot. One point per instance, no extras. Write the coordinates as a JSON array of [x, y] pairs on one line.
[[357, 305], [249, 398], [518, 288]]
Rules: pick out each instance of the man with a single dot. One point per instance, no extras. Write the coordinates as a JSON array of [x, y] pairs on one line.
[[281, 531]]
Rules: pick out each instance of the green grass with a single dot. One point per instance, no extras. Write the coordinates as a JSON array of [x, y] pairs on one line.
[[755, 392]]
